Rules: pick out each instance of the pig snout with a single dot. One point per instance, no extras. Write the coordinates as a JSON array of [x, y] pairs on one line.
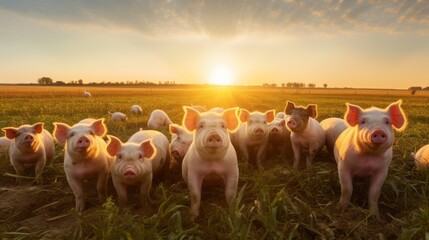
[[175, 153], [83, 142], [129, 172], [291, 123], [275, 131], [28, 139], [259, 131], [214, 141], [378, 137]]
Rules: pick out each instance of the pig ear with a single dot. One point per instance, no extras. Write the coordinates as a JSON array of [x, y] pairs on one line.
[[352, 114], [231, 118], [38, 127], [148, 149], [270, 115], [399, 121], [312, 109], [61, 130], [10, 132], [190, 119], [113, 145], [99, 127], [244, 115], [283, 122], [289, 107], [175, 129]]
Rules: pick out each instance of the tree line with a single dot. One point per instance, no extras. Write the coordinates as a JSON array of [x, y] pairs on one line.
[[293, 85]]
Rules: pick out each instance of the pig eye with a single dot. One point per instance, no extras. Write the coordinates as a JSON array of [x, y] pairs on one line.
[[92, 133], [362, 121], [265, 122], [223, 125], [250, 121], [119, 157], [140, 156], [71, 134], [387, 122], [201, 126]]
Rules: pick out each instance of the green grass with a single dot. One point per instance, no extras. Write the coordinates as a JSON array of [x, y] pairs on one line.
[[278, 203]]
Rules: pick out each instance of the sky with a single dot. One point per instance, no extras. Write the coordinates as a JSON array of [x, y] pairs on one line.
[[341, 43]]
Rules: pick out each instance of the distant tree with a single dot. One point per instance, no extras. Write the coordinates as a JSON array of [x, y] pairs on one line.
[[60, 83], [325, 85], [265, 85], [283, 85], [415, 88], [273, 85], [311, 85], [289, 85], [80, 81], [45, 81]]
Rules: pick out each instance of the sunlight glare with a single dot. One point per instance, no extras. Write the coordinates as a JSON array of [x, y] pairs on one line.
[[221, 75]]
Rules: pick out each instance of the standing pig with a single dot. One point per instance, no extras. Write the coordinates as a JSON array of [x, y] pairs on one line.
[[306, 132], [118, 116], [144, 155], [157, 119], [211, 153], [4, 144], [421, 158], [30, 146], [136, 109], [181, 139], [85, 156], [333, 127], [278, 137], [365, 149], [253, 134]]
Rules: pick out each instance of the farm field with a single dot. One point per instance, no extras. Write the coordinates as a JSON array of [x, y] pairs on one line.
[[276, 203]]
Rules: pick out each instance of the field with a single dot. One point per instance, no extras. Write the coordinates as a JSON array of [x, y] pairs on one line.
[[277, 203]]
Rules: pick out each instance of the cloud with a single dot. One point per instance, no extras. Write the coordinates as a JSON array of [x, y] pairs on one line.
[[231, 18]]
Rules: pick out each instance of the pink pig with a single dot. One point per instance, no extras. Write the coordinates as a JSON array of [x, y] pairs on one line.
[[181, 139], [365, 149]]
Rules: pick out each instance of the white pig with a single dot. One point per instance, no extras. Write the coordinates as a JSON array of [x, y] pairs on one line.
[[278, 137], [4, 144], [136, 109], [144, 155], [306, 132], [333, 127], [157, 119], [365, 149], [421, 158], [181, 139], [85, 156], [253, 134], [118, 116], [216, 110], [30, 146], [281, 115], [86, 94], [211, 153]]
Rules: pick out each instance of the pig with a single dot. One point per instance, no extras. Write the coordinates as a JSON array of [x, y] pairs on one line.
[[30, 145], [143, 156], [281, 115], [253, 134], [118, 116], [158, 118], [86, 94], [199, 108], [181, 139], [364, 149], [85, 156], [333, 127], [306, 132], [136, 109], [421, 158], [216, 110], [4, 144], [278, 137], [211, 155]]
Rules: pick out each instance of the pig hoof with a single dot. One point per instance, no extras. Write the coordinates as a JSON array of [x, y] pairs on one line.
[[342, 207]]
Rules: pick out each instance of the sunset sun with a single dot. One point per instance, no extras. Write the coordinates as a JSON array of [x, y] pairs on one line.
[[221, 75]]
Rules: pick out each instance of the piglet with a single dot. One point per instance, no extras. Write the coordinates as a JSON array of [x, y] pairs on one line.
[[333, 127], [252, 135], [211, 153], [306, 132], [86, 94], [85, 156], [136, 162], [118, 116], [30, 145], [158, 118], [421, 158], [365, 149], [136, 109], [278, 137], [181, 139], [4, 144]]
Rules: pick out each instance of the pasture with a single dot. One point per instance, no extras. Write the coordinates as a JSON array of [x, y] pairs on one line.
[[277, 203]]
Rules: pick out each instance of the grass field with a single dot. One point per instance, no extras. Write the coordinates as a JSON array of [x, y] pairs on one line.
[[277, 203]]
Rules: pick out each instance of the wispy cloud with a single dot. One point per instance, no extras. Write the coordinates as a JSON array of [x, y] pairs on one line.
[[230, 18]]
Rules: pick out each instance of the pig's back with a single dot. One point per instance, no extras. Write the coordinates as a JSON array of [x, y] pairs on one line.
[[333, 127]]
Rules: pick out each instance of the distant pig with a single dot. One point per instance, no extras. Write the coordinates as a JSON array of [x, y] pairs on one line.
[[157, 119], [4, 144], [136, 109], [211, 154], [30, 146], [181, 139], [421, 158], [86, 94], [364, 149], [118, 116], [85, 156], [333, 127], [252, 134], [144, 155], [306, 132], [278, 137]]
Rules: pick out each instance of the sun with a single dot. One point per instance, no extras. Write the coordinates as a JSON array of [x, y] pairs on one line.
[[221, 75]]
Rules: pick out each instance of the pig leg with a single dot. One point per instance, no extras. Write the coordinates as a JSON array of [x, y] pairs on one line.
[[309, 159], [121, 190], [40, 165], [195, 182], [245, 151], [296, 154], [145, 186], [346, 182], [102, 186], [77, 188], [377, 181], [231, 182], [19, 168], [260, 155]]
